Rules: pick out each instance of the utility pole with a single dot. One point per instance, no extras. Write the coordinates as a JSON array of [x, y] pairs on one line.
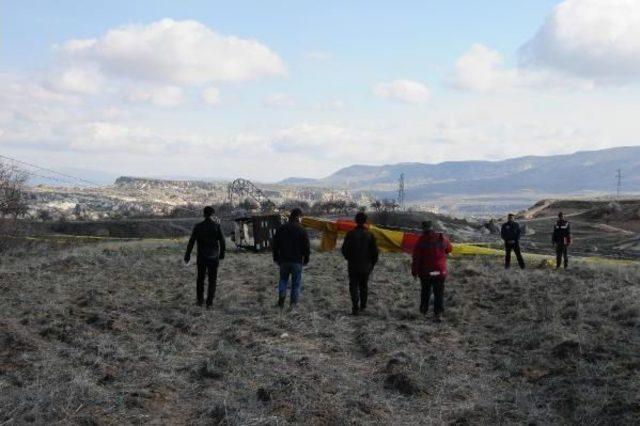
[[619, 179], [401, 192]]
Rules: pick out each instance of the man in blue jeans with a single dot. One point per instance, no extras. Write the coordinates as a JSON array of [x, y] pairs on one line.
[[291, 252]]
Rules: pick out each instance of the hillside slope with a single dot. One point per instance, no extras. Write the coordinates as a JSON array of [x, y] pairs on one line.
[[561, 174]]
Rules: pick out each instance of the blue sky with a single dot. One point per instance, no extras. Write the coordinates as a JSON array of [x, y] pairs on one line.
[[306, 87]]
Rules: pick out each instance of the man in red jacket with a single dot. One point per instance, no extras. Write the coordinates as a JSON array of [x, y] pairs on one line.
[[430, 265]]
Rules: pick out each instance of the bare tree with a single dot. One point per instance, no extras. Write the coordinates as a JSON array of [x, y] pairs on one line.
[[288, 205], [267, 206], [376, 205], [389, 205], [340, 206], [12, 181], [44, 215], [12, 203]]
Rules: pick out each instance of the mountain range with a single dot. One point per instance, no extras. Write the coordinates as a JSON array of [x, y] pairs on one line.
[[573, 174]]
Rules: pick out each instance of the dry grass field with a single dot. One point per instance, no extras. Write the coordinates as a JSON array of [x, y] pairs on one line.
[[109, 334]]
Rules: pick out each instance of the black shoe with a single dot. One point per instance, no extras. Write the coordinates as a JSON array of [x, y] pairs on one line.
[[209, 307], [281, 302], [355, 311], [437, 318], [199, 304]]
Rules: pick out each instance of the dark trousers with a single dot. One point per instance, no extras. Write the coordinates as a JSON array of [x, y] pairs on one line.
[[561, 252], [427, 283], [359, 289], [207, 266], [293, 270], [507, 255]]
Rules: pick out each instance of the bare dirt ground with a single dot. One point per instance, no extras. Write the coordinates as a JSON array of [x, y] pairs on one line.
[[109, 334]]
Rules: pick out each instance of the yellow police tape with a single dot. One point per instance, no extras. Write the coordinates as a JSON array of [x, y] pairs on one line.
[[392, 241], [329, 241]]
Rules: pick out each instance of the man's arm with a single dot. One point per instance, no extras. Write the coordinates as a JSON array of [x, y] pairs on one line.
[[448, 248], [192, 241], [345, 246], [415, 259], [373, 250], [222, 243], [503, 232], [275, 247]]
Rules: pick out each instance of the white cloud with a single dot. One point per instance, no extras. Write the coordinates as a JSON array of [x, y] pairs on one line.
[[279, 100], [176, 52], [329, 105], [164, 96], [334, 142], [106, 136], [407, 91], [82, 80], [307, 136], [597, 39], [211, 96], [481, 69]]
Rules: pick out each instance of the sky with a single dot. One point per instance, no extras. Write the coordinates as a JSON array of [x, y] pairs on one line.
[[272, 89]]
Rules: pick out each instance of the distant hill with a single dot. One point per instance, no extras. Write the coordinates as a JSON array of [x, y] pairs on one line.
[[578, 173]]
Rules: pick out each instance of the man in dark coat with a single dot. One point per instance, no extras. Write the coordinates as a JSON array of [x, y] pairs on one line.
[[211, 249], [361, 251], [510, 233], [291, 251], [561, 239]]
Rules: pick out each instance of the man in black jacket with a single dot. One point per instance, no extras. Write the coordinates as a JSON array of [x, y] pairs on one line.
[[510, 233], [361, 251], [211, 248], [561, 239], [291, 251]]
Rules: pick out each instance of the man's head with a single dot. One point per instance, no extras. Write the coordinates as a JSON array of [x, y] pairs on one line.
[[295, 214], [427, 226], [208, 211], [510, 217], [361, 218], [560, 215]]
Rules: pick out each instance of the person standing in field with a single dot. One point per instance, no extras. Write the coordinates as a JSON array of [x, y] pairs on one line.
[[361, 251], [211, 248], [510, 233], [291, 251], [430, 265], [561, 239]]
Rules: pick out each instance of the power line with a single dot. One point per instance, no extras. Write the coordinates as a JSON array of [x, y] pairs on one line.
[[45, 169]]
